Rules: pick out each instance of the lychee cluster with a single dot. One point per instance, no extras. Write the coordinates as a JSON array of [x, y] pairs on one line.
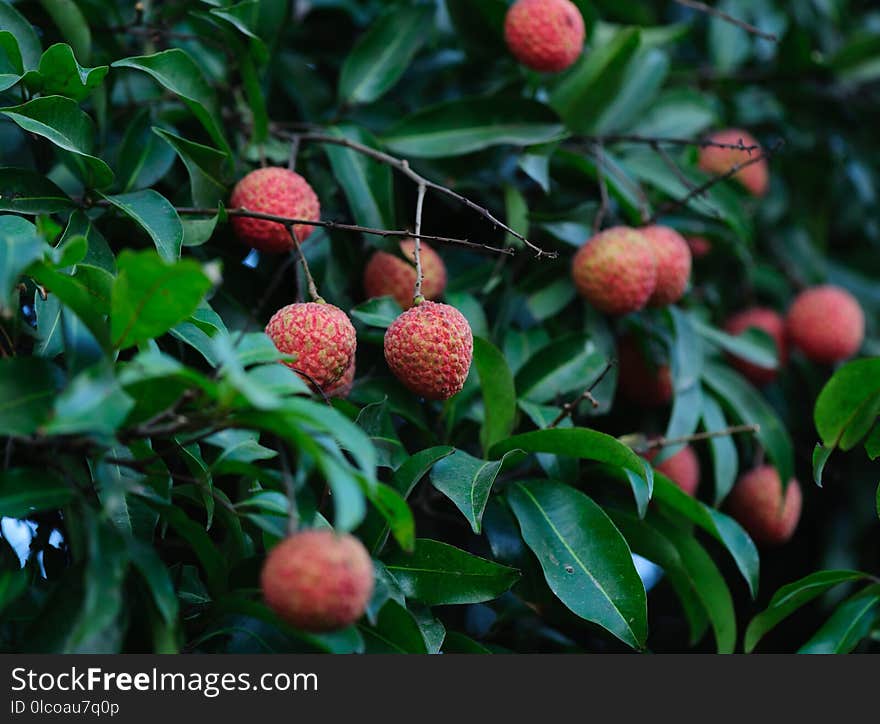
[[277, 192], [621, 270], [429, 349], [389, 275], [544, 35], [758, 504], [317, 580], [755, 177]]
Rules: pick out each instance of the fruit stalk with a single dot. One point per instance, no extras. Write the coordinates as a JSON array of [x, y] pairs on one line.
[[417, 248]]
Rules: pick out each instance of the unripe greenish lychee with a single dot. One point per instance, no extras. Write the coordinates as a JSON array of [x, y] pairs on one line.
[[278, 192], [343, 386], [673, 264], [389, 275], [769, 321], [641, 379], [317, 580], [683, 469], [755, 177], [544, 35], [616, 270], [429, 349], [826, 323], [321, 337], [757, 504]]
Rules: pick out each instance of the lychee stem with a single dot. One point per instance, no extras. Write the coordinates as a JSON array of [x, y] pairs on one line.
[[310, 281], [417, 249], [696, 437]]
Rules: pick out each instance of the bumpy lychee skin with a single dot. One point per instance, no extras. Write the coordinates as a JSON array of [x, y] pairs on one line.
[[429, 349], [769, 321], [389, 275], [616, 270], [673, 264], [755, 177], [279, 192], [683, 469], [756, 503], [317, 580], [343, 386], [826, 323], [641, 380], [700, 246], [544, 35], [320, 335]]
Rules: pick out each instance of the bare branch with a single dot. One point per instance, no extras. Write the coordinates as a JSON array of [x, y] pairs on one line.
[[661, 442], [420, 202], [709, 10], [669, 141], [569, 407]]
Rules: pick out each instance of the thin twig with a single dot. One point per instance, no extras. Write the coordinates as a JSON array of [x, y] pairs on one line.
[[703, 8], [310, 281], [403, 166], [569, 407], [669, 141], [696, 437], [603, 189], [420, 201]]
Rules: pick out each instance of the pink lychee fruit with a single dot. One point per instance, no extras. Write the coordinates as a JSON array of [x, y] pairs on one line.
[[756, 502], [616, 270], [544, 35], [826, 323], [278, 192], [769, 321], [700, 246], [389, 275], [755, 177], [429, 349], [343, 386], [673, 264], [683, 469], [641, 380]]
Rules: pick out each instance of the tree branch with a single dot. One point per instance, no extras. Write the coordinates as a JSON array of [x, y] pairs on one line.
[[569, 407], [709, 10], [696, 437]]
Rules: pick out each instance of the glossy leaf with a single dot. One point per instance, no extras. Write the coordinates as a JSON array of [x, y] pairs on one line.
[[154, 213], [499, 394], [25, 491]]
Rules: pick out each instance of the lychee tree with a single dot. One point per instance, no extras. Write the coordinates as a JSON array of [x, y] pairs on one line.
[[438, 326]]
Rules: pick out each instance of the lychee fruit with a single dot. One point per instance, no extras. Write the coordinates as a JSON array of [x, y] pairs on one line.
[[616, 270], [826, 323], [389, 275], [755, 177], [769, 321], [544, 35], [673, 264], [343, 386], [321, 337], [683, 469], [756, 502], [429, 349], [279, 192], [700, 246], [317, 580], [641, 380]]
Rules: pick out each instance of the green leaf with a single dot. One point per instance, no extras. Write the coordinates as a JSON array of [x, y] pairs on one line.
[[20, 245], [566, 364], [586, 561], [150, 296], [439, 574], [848, 405], [686, 359], [641, 82], [753, 345], [383, 54], [751, 408], [24, 33], [367, 184], [176, 70], [467, 482], [24, 191], [157, 578], [60, 74], [583, 93], [791, 597], [155, 214], [207, 168], [847, 626], [820, 457], [499, 394], [93, 402], [67, 15], [379, 312], [27, 389], [725, 462], [472, 124], [144, 159], [25, 491], [396, 632], [61, 121], [393, 508]]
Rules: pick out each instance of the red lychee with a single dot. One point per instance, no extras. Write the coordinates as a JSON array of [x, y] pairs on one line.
[[320, 335], [755, 177], [429, 349], [641, 380], [544, 35], [756, 503], [826, 323], [317, 580], [342, 387], [278, 192], [616, 270], [769, 321], [700, 246], [389, 275], [673, 264], [683, 469]]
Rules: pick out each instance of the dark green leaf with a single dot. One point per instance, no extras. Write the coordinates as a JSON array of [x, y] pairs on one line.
[[24, 491], [848, 405], [155, 214], [24, 191], [27, 390], [206, 166], [848, 625], [499, 394], [20, 245]]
